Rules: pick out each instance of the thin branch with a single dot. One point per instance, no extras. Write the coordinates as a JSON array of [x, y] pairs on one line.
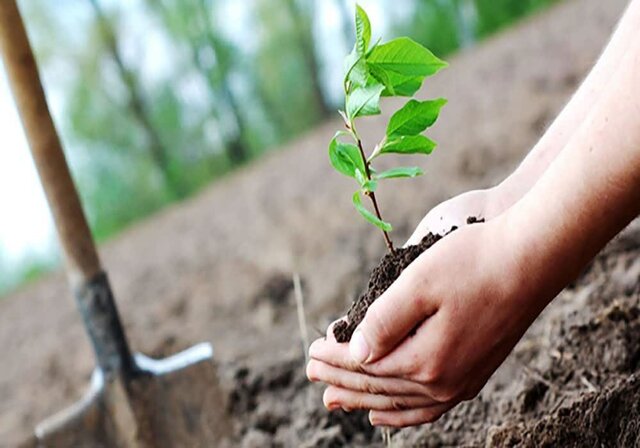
[[372, 195]]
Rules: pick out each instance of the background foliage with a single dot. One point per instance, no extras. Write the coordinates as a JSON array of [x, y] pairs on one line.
[[157, 98]]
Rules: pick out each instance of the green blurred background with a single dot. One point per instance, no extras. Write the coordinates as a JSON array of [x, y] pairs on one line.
[[155, 99]]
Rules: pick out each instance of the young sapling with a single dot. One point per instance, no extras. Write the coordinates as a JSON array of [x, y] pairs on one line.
[[396, 68]]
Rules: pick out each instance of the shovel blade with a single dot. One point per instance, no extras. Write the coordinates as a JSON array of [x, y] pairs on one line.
[[176, 402]]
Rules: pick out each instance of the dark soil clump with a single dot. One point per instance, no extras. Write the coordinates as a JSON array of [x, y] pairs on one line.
[[383, 276], [389, 269]]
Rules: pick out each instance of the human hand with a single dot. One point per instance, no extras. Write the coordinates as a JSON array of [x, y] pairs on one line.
[[470, 301], [482, 204]]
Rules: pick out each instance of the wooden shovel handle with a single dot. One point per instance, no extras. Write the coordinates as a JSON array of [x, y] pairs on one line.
[[71, 225]]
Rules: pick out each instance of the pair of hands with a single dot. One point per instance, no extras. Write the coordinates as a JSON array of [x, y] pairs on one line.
[[467, 296]]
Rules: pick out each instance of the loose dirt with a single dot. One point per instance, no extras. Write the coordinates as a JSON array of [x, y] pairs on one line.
[[382, 277], [573, 381], [217, 268]]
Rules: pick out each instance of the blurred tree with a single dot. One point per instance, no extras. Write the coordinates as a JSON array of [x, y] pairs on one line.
[[192, 21], [435, 24], [214, 101], [119, 179], [302, 15], [281, 72], [137, 104], [495, 14]]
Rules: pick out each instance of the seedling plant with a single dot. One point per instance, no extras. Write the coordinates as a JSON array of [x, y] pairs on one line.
[[395, 68]]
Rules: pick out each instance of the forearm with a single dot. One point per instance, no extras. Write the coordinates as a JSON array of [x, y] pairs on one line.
[[575, 112], [589, 192]]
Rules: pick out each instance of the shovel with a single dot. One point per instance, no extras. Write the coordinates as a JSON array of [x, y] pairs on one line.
[[133, 400]]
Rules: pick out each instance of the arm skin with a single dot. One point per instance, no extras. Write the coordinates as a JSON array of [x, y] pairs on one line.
[[476, 292], [492, 202]]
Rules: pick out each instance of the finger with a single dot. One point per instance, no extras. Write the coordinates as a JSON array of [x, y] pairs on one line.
[[419, 357], [392, 316], [416, 359], [338, 355], [410, 417], [336, 397], [452, 213], [335, 354], [439, 221], [318, 371], [422, 229]]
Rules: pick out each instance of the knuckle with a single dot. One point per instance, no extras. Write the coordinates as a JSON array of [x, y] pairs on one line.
[[366, 385], [419, 288], [430, 373], [399, 404], [360, 403], [445, 395], [382, 332]]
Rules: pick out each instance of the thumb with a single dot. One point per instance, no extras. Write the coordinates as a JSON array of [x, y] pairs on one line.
[[391, 318]]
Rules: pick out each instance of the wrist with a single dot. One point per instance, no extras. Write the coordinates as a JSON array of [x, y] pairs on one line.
[[531, 272], [526, 175], [499, 199], [548, 251]]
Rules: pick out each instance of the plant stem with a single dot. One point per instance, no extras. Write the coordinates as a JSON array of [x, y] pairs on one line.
[[387, 240], [371, 194]]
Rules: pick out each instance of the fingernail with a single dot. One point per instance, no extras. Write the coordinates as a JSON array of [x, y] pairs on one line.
[[333, 406], [358, 348]]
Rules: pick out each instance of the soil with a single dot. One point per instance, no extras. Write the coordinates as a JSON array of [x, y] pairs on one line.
[[573, 381], [382, 276], [217, 269]]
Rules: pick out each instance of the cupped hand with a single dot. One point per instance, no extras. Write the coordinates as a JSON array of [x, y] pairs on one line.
[[437, 334], [482, 204]]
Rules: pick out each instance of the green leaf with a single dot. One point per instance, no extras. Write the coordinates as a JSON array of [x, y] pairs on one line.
[[363, 31], [356, 69], [408, 171], [402, 85], [414, 117], [370, 186], [373, 219], [406, 57], [360, 177], [382, 76], [366, 184], [345, 157], [364, 101], [411, 144]]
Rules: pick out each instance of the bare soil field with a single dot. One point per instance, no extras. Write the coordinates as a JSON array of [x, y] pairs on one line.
[[218, 268]]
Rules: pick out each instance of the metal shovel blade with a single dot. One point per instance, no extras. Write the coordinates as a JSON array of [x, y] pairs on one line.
[[173, 402]]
